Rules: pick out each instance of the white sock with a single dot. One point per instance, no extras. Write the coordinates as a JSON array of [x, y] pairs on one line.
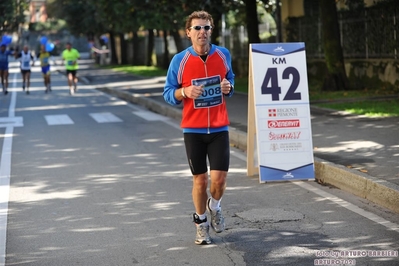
[[202, 216], [215, 204]]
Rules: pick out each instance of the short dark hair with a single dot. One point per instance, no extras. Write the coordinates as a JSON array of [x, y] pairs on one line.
[[200, 15]]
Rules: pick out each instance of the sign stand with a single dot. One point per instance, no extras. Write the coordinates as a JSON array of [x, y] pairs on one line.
[[279, 126], [252, 168]]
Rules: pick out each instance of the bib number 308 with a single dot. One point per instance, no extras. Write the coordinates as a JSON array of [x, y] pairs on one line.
[[274, 89]]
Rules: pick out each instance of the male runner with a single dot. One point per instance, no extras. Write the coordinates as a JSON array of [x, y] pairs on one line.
[[70, 56], [4, 53], [25, 58]]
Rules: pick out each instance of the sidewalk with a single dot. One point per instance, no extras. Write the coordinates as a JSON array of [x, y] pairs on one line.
[[354, 153]]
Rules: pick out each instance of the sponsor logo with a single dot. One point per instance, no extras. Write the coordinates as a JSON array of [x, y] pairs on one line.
[[283, 112], [279, 49], [274, 147], [288, 175], [294, 146], [284, 136], [283, 123], [291, 146]]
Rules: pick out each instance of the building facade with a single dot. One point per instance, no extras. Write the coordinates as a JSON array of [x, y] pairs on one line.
[[37, 11]]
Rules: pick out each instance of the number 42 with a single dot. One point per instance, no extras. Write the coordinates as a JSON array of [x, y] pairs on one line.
[[275, 90]]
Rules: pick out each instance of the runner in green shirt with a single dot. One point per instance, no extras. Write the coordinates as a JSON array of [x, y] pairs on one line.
[[70, 56]]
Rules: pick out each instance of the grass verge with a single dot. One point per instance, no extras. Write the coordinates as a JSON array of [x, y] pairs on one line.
[[368, 108], [145, 71]]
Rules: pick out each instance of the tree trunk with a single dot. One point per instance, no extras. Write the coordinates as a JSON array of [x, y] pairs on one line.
[[215, 31], [114, 57], [123, 42], [336, 78], [136, 48], [150, 48], [252, 21], [165, 63], [177, 39]]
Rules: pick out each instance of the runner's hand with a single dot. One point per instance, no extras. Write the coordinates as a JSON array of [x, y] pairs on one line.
[[226, 86], [193, 91]]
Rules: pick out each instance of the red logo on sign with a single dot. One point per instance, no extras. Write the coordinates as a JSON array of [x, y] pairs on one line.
[[283, 123], [272, 112]]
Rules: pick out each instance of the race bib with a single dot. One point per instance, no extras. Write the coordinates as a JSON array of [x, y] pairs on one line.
[[212, 95], [26, 64], [70, 63]]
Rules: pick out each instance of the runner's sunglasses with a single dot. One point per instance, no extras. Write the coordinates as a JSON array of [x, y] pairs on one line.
[[206, 28]]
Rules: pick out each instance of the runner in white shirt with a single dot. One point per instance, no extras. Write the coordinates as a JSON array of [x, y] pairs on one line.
[[25, 57]]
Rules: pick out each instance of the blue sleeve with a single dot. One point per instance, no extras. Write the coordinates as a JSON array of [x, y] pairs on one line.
[[230, 74], [171, 83]]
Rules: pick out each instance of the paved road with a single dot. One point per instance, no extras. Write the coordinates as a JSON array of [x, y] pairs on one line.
[[97, 181], [363, 152]]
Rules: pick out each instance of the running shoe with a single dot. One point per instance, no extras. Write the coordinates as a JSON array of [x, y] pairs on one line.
[[202, 237], [217, 219]]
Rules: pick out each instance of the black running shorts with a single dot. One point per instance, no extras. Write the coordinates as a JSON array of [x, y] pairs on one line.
[[73, 72], [215, 145], [24, 71]]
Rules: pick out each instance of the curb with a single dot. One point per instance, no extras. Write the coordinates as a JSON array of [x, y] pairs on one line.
[[375, 190]]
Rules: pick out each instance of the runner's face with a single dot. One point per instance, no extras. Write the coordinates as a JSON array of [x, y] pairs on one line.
[[199, 37]]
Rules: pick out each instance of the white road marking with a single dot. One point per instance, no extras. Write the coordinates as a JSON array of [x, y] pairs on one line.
[[150, 116], [58, 120], [105, 117], [5, 174], [350, 206], [11, 109], [11, 121]]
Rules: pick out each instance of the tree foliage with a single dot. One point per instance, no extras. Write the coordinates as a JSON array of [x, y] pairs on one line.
[[12, 14], [167, 17], [80, 16]]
